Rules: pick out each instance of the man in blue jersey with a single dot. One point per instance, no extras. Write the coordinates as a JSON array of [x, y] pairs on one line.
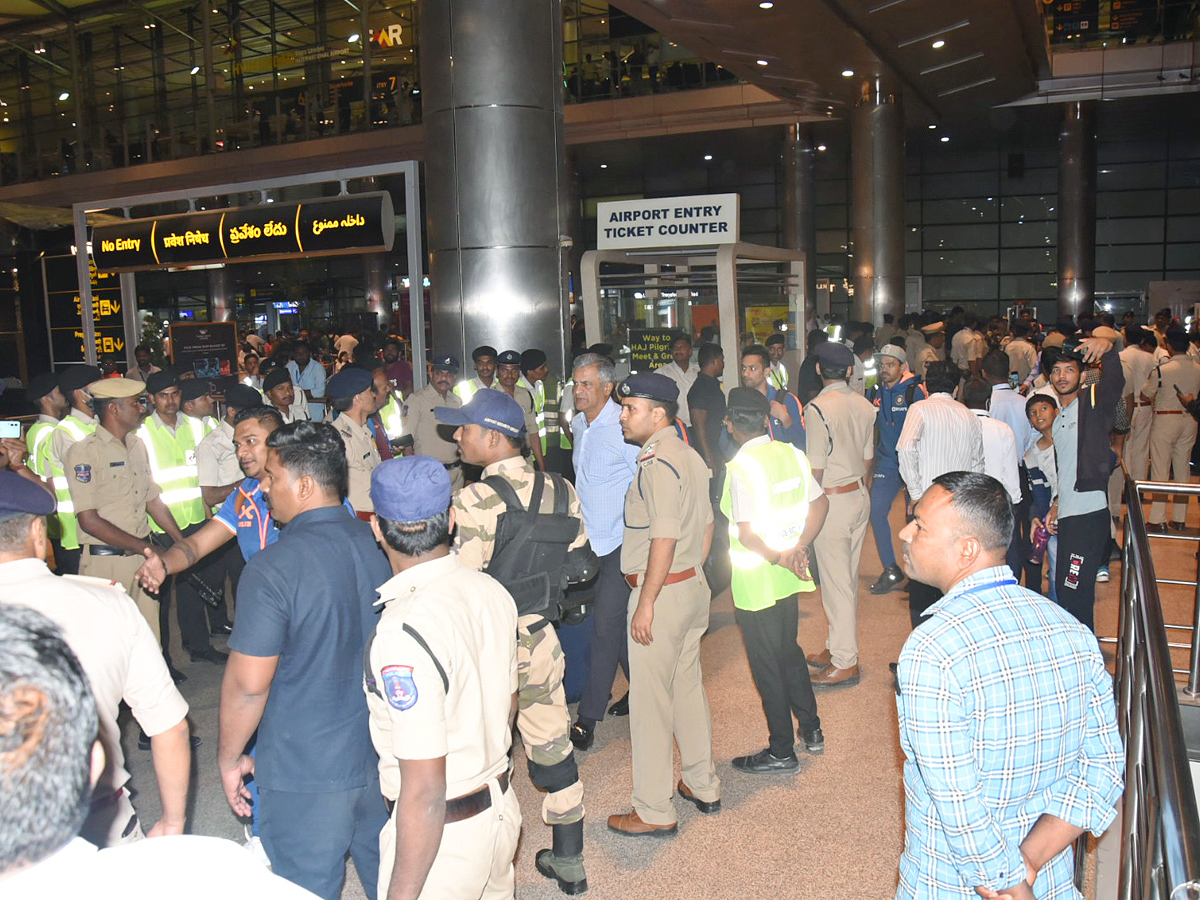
[[786, 418]]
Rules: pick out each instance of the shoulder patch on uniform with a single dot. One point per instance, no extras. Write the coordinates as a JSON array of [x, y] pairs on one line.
[[399, 688], [83, 474]]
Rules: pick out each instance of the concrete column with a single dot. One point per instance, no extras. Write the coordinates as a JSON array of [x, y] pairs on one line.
[[1077, 208], [877, 203], [494, 174], [800, 200]]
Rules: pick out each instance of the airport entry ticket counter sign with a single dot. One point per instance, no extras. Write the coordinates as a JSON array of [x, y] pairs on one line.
[[695, 221], [65, 316]]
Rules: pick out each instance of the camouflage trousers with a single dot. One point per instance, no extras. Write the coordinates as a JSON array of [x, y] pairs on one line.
[[544, 722]]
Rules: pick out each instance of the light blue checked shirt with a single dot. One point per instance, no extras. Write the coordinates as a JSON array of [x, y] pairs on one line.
[[1006, 713], [604, 469]]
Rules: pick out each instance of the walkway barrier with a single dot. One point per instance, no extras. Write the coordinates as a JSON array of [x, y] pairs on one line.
[[1160, 845]]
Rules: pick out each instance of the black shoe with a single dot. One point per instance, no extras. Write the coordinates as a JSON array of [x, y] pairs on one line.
[[176, 676], [766, 763], [708, 807], [891, 579], [582, 735], [209, 654], [814, 741], [1156, 527], [621, 707], [569, 873], [221, 630], [144, 741]]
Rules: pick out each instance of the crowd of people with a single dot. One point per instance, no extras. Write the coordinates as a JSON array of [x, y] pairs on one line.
[[412, 569]]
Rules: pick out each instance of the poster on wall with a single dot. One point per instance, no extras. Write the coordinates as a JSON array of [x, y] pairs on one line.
[[650, 348], [207, 350], [64, 313], [760, 320]]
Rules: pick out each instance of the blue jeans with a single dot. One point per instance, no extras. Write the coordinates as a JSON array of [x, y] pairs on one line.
[[885, 485]]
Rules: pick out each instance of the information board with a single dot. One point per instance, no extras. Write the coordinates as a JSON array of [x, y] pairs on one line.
[[699, 220], [65, 317], [650, 348], [208, 350], [352, 224], [1073, 18]]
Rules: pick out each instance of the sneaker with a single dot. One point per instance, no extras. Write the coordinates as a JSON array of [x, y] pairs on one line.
[[814, 741], [766, 763], [1102, 576]]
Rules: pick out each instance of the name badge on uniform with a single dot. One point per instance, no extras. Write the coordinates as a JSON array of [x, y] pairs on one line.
[[399, 687], [116, 465]]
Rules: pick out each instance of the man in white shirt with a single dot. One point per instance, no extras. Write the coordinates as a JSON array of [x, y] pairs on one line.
[[682, 372], [1137, 362], [1000, 456], [308, 376], [965, 347], [1022, 355]]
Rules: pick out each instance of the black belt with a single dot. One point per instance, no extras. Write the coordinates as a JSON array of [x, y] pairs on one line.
[[453, 465], [468, 805], [105, 550]]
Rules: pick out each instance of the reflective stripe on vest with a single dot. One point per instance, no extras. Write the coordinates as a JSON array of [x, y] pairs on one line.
[[65, 512], [466, 390], [177, 479], [37, 441], [393, 421]]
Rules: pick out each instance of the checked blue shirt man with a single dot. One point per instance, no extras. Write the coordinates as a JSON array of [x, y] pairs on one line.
[[1010, 754]]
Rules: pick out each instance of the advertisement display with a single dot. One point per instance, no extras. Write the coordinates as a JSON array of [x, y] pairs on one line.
[[355, 223], [208, 350], [650, 348], [699, 220], [65, 317]]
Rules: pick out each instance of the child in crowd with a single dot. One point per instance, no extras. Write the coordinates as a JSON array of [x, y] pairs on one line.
[[1043, 477]]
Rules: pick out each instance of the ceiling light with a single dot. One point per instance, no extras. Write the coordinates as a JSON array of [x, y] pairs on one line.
[[847, 73], [195, 70], [933, 128], [766, 4], [945, 139], [707, 157], [762, 62], [353, 38], [64, 95], [821, 147], [938, 45], [604, 165]]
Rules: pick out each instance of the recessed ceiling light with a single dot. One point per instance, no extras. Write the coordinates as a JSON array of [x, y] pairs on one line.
[[63, 96], [945, 138], [821, 148], [352, 38], [195, 70], [938, 45], [762, 62], [707, 157], [847, 73], [933, 128], [766, 4], [604, 165]]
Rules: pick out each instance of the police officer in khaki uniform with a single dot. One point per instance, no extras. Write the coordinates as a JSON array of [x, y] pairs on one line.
[[441, 686], [841, 445], [668, 532], [508, 374], [75, 425], [121, 659], [1172, 430], [108, 473], [352, 393], [491, 433], [419, 420]]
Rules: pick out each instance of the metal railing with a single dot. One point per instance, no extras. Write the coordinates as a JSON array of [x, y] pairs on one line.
[[1160, 846]]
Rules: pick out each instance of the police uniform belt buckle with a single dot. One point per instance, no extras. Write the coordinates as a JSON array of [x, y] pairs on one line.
[[672, 577], [468, 805], [1168, 412], [105, 550], [844, 488]]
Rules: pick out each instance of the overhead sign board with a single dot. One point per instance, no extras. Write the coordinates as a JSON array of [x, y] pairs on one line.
[[650, 348], [355, 223], [700, 220], [64, 312]]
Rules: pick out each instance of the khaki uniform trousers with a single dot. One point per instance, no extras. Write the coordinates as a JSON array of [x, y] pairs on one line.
[[1171, 439], [112, 821], [838, 547], [475, 858], [1137, 445], [542, 716], [123, 570], [666, 697]]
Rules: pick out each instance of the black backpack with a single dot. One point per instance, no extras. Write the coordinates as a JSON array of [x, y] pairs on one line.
[[531, 549]]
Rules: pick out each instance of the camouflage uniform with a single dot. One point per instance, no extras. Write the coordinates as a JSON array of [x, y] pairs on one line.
[[542, 716]]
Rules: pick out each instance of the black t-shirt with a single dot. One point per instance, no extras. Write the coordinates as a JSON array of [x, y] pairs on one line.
[[706, 394]]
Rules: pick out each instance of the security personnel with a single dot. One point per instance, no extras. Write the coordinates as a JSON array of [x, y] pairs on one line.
[[841, 445], [282, 394], [197, 403], [420, 423], [1172, 431], [484, 360], [76, 425], [777, 377], [508, 374], [775, 509], [546, 391], [898, 389], [934, 335], [122, 661], [668, 531], [112, 490], [490, 431], [43, 391], [351, 392], [441, 682]]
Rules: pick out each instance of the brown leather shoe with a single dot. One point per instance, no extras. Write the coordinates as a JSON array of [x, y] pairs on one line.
[[631, 824], [834, 677], [820, 660]]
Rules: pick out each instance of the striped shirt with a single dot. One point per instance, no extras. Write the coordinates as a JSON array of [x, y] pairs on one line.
[[940, 435], [1006, 713]]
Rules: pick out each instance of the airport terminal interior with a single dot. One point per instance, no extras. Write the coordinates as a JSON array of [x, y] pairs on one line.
[[1010, 157]]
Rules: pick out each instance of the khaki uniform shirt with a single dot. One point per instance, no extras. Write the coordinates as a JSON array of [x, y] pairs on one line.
[[216, 458], [477, 509], [362, 456], [667, 499], [469, 623], [1180, 370], [118, 653], [420, 422], [112, 478], [525, 401], [61, 440], [840, 428]]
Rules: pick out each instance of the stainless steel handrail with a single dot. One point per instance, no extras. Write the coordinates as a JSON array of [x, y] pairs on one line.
[[1160, 850]]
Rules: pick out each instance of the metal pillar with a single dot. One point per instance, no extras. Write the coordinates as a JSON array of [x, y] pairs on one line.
[[877, 203], [1077, 208], [800, 204], [220, 295], [495, 166]]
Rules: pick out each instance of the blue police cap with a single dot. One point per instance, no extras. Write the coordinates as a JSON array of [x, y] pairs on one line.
[[40, 386], [410, 488], [74, 378], [161, 381], [242, 396], [489, 409], [509, 358], [750, 400], [348, 382], [832, 353], [446, 361], [20, 495], [650, 386]]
